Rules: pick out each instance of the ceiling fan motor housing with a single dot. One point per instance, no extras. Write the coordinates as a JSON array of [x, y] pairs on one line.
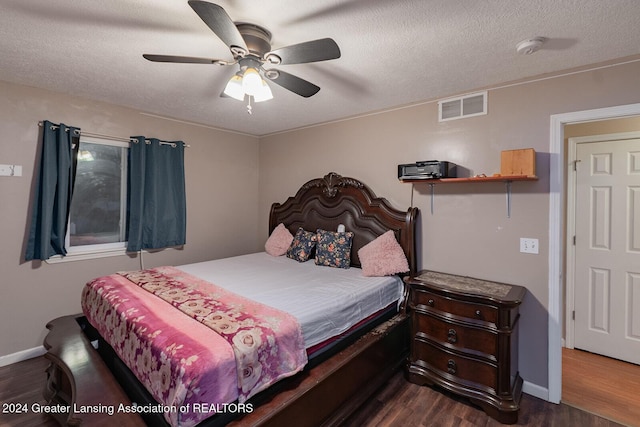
[[257, 39]]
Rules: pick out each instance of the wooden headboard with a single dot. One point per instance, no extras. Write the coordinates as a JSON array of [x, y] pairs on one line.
[[332, 200]]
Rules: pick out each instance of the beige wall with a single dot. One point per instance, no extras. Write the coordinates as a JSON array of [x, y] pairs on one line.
[[601, 127], [469, 232], [222, 219]]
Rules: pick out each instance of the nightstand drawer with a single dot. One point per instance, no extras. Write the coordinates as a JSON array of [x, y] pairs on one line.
[[447, 365], [482, 341], [455, 307]]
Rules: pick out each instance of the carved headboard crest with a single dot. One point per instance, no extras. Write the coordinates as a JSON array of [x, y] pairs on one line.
[[330, 183]]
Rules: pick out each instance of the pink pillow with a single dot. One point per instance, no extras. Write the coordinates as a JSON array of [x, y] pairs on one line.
[[279, 241], [383, 256]]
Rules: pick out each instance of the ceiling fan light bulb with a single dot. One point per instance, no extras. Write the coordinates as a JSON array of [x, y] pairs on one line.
[[264, 94], [234, 88], [251, 81]]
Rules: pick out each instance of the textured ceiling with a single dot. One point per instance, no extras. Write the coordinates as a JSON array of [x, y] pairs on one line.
[[394, 53]]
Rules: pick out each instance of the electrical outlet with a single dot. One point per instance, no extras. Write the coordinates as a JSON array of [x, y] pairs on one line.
[[528, 246]]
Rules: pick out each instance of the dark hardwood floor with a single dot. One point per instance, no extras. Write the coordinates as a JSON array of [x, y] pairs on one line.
[[397, 404], [401, 403], [22, 384]]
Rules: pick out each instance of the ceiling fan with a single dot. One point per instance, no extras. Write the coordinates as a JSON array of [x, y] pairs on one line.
[[250, 46]]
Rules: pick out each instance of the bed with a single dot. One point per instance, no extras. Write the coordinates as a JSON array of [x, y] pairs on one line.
[[348, 353]]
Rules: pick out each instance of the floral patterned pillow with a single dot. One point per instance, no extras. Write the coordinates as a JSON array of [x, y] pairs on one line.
[[334, 248], [302, 245]]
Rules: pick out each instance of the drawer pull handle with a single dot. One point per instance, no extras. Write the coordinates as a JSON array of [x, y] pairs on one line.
[[478, 314], [451, 366], [452, 336], [430, 302]]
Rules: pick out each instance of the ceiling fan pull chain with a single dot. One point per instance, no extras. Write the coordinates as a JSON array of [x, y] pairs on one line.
[[249, 108]]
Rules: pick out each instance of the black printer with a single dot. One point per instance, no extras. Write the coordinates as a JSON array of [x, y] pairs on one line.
[[427, 169]]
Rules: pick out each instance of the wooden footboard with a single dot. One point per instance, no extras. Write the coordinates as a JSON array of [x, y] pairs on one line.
[[324, 395], [79, 380], [327, 394]]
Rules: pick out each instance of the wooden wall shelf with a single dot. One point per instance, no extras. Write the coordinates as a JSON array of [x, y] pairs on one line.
[[507, 179], [500, 178]]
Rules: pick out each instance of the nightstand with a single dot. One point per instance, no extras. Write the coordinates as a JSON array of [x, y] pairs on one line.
[[464, 338]]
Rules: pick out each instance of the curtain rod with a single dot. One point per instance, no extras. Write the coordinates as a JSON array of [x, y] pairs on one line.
[[113, 138]]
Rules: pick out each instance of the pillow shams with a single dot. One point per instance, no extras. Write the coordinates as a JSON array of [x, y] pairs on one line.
[[279, 241], [383, 256], [302, 245], [334, 248]]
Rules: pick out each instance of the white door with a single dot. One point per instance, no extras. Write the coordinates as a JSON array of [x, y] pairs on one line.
[[607, 248]]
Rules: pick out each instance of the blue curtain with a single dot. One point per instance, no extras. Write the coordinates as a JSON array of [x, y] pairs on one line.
[[52, 192], [157, 215]]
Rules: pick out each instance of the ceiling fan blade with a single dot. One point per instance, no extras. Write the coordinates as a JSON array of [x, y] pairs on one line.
[[220, 23], [183, 59], [311, 51], [293, 83]]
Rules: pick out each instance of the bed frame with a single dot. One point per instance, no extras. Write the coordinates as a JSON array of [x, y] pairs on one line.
[[323, 394]]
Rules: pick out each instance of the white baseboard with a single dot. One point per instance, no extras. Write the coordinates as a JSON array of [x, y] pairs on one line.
[[536, 390], [22, 355]]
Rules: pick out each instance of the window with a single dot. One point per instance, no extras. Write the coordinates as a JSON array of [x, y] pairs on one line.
[[97, 219]]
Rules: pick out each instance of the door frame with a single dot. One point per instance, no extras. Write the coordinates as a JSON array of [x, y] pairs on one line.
[[557, 169], [572, 182]]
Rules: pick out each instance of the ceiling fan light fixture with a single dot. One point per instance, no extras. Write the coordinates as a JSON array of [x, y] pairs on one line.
[[264, 94], [251, 81], [234, 88]]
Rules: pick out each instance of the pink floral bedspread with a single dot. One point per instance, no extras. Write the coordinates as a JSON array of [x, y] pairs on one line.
[[191, 342]]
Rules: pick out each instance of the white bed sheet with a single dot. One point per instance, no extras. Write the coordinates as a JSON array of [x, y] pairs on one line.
[[326, 301]]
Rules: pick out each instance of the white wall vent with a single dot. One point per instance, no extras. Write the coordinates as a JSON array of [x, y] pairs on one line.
[[471, 105]]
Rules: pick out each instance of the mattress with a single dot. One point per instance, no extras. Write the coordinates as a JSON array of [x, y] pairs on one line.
[[181, 361], [326, 301]]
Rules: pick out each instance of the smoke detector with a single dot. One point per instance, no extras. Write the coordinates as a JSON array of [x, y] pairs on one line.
[[529, 46]]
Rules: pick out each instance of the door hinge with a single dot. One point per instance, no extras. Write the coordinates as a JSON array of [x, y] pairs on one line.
[[574, 240], [575, 165], [573, 315]]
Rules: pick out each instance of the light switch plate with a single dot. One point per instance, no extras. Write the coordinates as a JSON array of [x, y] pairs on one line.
[[10, 170]]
